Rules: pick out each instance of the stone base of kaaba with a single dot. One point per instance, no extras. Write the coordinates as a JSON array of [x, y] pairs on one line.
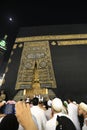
[[20, 95]]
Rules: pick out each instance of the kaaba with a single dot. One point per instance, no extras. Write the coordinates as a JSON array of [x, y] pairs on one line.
[[58, 52]]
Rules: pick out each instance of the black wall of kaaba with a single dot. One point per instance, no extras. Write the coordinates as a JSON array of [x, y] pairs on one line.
[[70, 66], [69, 62]]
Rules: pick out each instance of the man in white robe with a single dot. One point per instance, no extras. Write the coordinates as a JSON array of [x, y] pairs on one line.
[[73, 114], [57, 107], [82, 110], [39, 114]]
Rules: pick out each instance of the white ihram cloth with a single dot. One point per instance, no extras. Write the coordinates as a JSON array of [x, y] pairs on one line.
[[51, 124], [73, 114], [85, 124], [40, 116], [48, 113]]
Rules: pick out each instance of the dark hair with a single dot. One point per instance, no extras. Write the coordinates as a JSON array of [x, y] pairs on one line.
[[81, 120], [35, 101], [64, 123], [9, 122]]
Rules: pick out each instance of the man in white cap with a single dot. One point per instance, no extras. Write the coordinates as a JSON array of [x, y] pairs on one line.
[[57, 107], [82, 110]]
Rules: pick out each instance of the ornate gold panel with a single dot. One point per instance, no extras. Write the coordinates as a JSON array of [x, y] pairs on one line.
[[36, 52]]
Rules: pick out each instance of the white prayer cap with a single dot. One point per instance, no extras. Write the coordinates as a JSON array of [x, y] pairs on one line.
[[57, 104], [83, 106], [49, 103]]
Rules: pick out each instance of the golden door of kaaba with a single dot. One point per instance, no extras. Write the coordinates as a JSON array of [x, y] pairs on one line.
[[35, 74]]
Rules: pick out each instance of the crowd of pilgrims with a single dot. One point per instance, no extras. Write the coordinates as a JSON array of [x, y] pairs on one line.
[[42, 114]]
